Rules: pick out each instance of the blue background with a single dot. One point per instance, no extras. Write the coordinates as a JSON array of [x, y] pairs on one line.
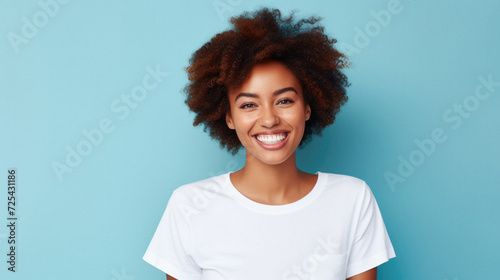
[[409, 74]]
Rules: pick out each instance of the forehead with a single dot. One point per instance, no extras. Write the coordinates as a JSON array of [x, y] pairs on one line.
[[268, 77]]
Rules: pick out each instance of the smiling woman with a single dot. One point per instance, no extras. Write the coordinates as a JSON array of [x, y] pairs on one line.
[[268, 113], [268, 85]]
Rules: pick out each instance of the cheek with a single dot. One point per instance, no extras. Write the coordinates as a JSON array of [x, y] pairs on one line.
[[243, 124], [296, 118]]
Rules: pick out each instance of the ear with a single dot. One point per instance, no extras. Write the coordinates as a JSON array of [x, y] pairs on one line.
[[308, 112], [229, 120]]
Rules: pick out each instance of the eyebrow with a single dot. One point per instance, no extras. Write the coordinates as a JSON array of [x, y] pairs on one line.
[[253, 95]]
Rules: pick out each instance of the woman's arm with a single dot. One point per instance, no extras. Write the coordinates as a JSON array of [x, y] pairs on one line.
[[367, 275], [170, 277]]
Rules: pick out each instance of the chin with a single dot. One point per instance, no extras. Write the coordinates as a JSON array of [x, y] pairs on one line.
[[272, 159]]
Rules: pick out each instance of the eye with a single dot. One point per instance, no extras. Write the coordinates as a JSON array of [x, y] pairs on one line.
[[247, 105], [285, 101]]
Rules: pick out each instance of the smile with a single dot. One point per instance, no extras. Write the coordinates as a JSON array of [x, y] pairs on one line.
[[271, 139]]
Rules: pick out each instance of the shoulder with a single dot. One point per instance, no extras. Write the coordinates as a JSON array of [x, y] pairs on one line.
[[343, 182], [351, 193], [200, 190], [348, 187]]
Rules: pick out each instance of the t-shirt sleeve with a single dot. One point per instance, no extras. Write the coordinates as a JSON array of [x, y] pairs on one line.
[[170, 248], [371, 245]]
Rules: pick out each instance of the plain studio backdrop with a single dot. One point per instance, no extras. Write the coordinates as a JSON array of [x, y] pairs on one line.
[[93, 122]]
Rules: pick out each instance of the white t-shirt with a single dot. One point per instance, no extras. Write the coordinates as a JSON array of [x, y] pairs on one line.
[[211, 231]]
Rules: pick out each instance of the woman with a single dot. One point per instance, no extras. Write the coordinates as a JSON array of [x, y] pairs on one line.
[[268, 85]]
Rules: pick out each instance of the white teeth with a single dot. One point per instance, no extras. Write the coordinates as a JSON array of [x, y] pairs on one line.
[[271, 139]]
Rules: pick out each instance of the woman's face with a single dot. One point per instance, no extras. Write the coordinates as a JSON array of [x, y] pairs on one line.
[[268, 113]]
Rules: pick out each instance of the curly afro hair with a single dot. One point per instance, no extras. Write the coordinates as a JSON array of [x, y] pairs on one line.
[[227, 59]]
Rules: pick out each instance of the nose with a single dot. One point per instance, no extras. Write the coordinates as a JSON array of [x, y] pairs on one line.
[[269, 118]]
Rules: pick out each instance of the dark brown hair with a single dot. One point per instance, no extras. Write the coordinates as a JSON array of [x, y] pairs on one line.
[[227, 59]]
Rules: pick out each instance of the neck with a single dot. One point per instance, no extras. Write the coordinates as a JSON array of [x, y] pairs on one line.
[[271, 184]]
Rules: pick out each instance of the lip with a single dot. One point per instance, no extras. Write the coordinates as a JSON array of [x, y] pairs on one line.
[[271, 132], [272, 147]]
